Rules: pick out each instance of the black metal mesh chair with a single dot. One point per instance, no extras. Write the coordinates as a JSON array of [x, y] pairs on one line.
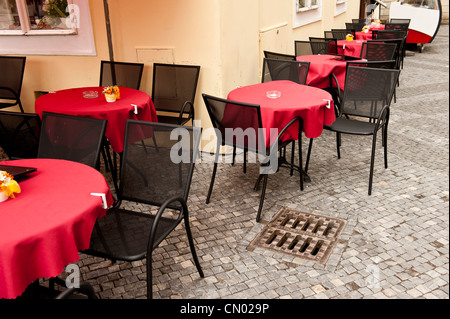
[[403, 26], [338, 94], [85, 291], [125, 74], [400, 21], [367, 95], [394, 35], [19, 134], [72, 138], [355, 26], [226, 116], [173, 92], [328, 35], [376, 51], [279, 56], [302, 47], [341, 34], [11, 77], [323, 45], [360, 20], [275, 69], [157, 168]]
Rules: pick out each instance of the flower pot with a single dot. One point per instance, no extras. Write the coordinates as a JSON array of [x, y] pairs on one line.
[[3, 197], [110, 97]]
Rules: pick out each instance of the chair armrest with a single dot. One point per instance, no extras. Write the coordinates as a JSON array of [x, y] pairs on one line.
[[85, 289], [191, 112], [158, 216], [10, 90]]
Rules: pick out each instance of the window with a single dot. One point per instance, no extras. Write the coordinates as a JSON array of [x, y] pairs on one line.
[[67, 29], [305, 5], [38, 17], [341, 7], [307, 11]]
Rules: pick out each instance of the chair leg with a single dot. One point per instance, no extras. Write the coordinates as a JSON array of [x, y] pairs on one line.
[[308, 155], [149, 276], [338, 144], [292, 159], [212, 183], [245, 161], [234, 155], [191, 244], [263, 194], [384, 138], [300, 160], [372, 161]]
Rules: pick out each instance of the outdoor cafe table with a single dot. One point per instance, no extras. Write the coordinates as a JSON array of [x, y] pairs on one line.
[[296, 100], [72, 102], [361, 35], [321, 67], [48, 222], [352, 48]]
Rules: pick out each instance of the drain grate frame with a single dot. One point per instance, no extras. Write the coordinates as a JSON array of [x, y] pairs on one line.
[[303, 235]]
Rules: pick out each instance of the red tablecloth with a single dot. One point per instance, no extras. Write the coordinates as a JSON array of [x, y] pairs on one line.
[[44, 227], [352, 48], [296, 100], [363, 36], [72, 102], [321, 67]]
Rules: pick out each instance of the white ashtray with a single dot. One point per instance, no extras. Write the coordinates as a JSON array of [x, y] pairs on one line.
[[90, 94], [273, 94]]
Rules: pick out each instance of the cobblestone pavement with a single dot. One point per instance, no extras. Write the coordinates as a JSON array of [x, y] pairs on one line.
[[395, 243]]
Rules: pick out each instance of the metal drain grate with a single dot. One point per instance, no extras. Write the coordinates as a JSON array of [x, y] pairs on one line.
[[303, 235]]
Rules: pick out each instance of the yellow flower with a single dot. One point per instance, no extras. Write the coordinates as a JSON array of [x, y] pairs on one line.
[[112, 90], [8, 185]]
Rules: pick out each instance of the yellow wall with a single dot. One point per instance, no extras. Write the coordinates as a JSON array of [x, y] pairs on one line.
[[225, 37]]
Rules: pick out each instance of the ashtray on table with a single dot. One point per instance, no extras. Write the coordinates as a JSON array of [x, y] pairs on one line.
[[90, 94], [273, 94]]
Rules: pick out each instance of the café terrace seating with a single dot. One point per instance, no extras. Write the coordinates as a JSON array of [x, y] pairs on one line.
[[149, 176], [73, 138], [11, 77], [368, 94], [226, 114], [19, 134]]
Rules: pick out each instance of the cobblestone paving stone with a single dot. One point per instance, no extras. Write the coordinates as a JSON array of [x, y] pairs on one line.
[[396, 241]]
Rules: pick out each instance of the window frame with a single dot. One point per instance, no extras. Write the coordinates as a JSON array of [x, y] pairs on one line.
[[25, 26], [304, 16], [80, 44]]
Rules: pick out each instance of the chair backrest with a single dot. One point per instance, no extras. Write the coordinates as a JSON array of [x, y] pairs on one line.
[[158, 162], [125, 74], [399, 43], [328, 34], [173, 86], [323, 45], [355, 26], [397, 26], [398, 21], [377, 51], [388, 34], [11, 77], [302, 47], [368, 90], [390, 64], [341, 34], [360, 20], [276, 69], [19, 134], [279, 56], [73, 138], [227, 116]]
